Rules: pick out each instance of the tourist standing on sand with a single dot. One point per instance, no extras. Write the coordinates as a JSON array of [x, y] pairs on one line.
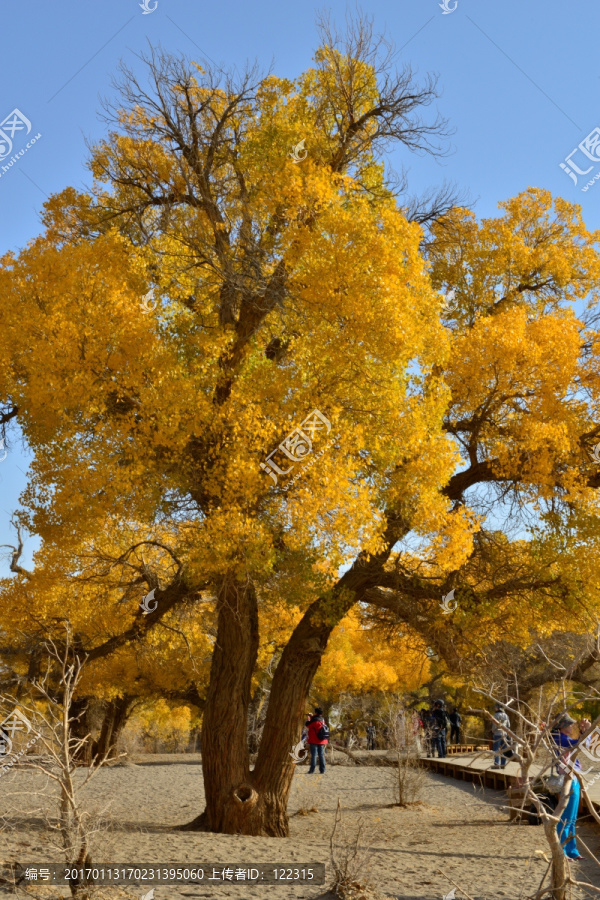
[[565, 738], [318, 738], [371, 734], [500, 743], [455, 721], [440, 725]]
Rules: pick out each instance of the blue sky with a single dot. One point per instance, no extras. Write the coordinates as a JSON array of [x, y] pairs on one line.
[[519, 83]]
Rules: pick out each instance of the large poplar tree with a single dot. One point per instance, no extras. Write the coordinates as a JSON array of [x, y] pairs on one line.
[[290, 288]]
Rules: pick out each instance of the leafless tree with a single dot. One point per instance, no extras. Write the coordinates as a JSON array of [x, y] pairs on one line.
[[408, 776], [534, 749], [62, 743]]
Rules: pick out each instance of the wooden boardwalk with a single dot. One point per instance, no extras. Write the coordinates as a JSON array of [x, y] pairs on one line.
[[476, 767]]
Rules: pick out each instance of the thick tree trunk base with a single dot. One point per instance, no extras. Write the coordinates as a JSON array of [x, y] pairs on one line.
[[247, 813]]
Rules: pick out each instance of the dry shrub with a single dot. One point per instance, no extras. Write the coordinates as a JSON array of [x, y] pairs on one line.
[[408, 778], [60, 748], [350, 861]]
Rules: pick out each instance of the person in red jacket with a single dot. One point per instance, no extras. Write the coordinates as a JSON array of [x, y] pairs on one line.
[[318, 738]]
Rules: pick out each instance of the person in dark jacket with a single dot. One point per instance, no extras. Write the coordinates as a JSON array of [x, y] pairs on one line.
[[371, 733], [316, 743], [439, 719], [455, 722]]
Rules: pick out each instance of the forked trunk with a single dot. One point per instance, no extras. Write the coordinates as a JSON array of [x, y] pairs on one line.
[[255, 803], [239, 801]]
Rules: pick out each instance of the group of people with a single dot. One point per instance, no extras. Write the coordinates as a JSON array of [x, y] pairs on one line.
[[435, 723], [434, 728], [431, 725]]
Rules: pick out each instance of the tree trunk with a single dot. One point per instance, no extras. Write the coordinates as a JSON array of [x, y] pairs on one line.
[[274, 771], [559, 862], [327, 707], [255, 803], [239, 801], [231, 801], [115, 718]]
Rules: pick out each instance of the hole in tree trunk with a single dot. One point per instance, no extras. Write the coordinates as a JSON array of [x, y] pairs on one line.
[[245, 793]]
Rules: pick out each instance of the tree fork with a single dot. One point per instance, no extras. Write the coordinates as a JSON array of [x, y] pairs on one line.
[[255, 803]]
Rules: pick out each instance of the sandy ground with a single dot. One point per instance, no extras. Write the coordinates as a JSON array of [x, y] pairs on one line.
[[457, 836]]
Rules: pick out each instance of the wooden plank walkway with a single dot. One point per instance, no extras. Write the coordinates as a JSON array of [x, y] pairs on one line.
[[476, 767]]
